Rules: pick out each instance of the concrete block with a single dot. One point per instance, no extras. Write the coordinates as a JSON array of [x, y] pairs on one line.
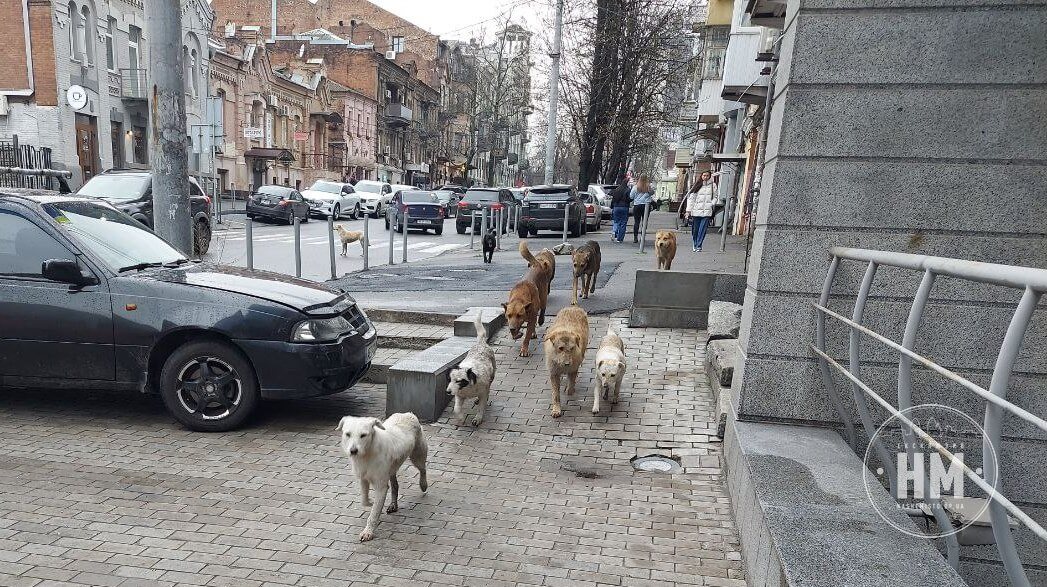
[[814, 508], [679, 298], [725, 319], [720, 359], [418, 384], [493, 319]]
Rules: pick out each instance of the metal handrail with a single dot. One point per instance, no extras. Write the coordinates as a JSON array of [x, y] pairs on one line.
[[1033, 282]]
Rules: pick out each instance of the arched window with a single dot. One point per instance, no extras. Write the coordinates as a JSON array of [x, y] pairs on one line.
[[192, 78], [74, 31], [87, 38], [186, 71]]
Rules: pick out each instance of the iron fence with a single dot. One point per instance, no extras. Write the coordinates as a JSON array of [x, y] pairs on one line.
[[26, 158], [1033, 283]]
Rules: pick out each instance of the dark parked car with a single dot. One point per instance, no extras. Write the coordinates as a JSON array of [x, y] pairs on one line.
[[493, 199], [91, 299], [131, 191], [544, 208], [278, 202], [423, 209]]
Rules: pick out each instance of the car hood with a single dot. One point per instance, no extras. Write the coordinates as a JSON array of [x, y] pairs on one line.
[[307, 296], [369, 196], [319, 196]]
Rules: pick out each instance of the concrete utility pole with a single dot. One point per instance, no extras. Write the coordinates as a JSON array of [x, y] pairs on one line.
[[169, 159], [554, 95]]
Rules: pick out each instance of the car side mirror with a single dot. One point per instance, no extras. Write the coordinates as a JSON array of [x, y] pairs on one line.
[[66, 271]]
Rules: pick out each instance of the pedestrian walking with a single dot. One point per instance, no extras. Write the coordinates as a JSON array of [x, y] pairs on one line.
[[641, 195], [700, 202], [620, 200]]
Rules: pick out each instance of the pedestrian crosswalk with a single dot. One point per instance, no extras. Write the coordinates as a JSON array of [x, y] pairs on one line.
[[418, 246]]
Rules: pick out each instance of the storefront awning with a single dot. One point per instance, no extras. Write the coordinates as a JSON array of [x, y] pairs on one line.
[[269, 153], [328, 116]]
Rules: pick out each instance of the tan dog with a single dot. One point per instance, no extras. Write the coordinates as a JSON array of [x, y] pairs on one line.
[[527, 299], [564, 346], [586, 260], [665, 248], [610, 369], [350, 236]]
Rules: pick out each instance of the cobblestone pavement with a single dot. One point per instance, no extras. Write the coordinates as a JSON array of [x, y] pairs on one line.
[[101, 488]]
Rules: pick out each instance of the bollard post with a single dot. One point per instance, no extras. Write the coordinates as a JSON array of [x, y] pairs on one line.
[[472, 230], [391, 238], [297, 247], [566, 214], [248, 237], [218, 205], [330, 240], [498, 229], [367, 241], [485, 219], [406, 224], [643, 229]]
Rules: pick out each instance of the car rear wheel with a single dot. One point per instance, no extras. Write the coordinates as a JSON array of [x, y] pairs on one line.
[[201, 237], [521, 232], [460, 228], [574, 230], [208, 386]]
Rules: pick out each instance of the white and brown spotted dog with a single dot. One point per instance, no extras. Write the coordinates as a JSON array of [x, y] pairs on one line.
[[472, 378]]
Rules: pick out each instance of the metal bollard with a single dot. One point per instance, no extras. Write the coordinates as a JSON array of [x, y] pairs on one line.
[[406, 216], [472, 230], [330, 240], [297, 247], [391, 239], [218, 206], [566, 213], [485, 220], [249, 238], [367, 241], [643, 229], [498, 229]]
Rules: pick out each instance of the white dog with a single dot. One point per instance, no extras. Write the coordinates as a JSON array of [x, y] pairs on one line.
[[610, 368], [377, 450], [472, 377]]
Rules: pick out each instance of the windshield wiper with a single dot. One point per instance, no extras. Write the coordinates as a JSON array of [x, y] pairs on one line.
[[176, 262], [139, 266]]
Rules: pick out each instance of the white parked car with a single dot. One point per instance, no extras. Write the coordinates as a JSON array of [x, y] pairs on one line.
[[332, 198], [602, 193], [375, 196]]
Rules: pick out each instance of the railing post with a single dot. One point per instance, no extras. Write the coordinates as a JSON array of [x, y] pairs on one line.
[[367, 241], [391, 235], [249, 239], [406, 213], [297, 247], [330, 240]]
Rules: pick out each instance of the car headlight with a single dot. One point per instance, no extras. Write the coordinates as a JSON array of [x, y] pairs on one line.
[[321, 330]]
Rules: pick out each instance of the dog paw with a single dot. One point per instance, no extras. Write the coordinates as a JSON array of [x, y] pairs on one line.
[[477, 420], [424, 485], [596, 411], [366, 536], [525, 353], [393, 508], [368, 503], [557, 411]]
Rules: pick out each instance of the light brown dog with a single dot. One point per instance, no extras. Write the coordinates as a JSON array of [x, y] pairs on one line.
[[586, 260], [527, 299], [665, 248], [564, 346], [349, 236]]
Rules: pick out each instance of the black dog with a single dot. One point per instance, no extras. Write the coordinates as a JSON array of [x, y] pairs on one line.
[[490, 241]]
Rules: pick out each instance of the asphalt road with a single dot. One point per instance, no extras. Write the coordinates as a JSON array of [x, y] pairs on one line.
[[274, 246]]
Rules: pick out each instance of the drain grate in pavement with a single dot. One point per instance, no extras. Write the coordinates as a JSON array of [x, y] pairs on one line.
[[656, 464]]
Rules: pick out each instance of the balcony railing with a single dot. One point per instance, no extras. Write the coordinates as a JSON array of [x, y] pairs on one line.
[[134, 84], [1033, 284], [398, 114]]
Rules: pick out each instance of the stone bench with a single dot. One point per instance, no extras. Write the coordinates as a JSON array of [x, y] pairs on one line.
[[418, 383], [680, 299]]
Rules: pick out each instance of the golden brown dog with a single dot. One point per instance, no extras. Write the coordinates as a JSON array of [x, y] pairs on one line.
[[665, 248], [349, 236], [586, 260], [527, 299], [564, 346]]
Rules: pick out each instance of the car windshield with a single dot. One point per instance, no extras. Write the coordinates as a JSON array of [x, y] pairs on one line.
[[274, 190], [538, 195], [116, 187], [372, 188], [415, 197], [120, 241], [326, 186], [480, 196]]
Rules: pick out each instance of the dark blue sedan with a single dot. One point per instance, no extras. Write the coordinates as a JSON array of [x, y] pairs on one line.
[[422, 209]]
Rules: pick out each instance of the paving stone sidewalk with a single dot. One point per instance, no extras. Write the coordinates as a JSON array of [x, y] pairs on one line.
[[100, 488]]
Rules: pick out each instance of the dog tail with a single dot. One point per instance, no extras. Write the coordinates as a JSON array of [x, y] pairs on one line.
[[481, 331], [526, 254]]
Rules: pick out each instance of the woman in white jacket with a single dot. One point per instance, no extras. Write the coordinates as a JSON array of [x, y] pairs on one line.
[[700, 202]]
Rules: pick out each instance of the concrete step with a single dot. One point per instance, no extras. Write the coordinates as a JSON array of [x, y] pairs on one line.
[[383, 359], [397, 335], [410, 317]]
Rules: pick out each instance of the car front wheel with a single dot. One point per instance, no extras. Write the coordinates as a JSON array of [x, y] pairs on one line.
[[356, 213], [208, 386], [201, 237], [337, 212]]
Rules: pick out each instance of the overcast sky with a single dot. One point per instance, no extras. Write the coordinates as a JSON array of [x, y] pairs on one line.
[[460, 19]]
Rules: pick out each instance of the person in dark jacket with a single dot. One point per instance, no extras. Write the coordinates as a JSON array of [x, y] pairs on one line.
[[621, 198]]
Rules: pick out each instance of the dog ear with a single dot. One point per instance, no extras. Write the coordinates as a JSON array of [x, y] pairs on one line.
[[504, 306], [376, 423], [341, 423], [470, 374]]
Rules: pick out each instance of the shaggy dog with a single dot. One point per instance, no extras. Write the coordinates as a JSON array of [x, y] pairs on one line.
[[490, 241], [377, 450], [586, 259], [564, 346], [610, 368], [350, 236], [665, 248], [472, 377], [527, 299]]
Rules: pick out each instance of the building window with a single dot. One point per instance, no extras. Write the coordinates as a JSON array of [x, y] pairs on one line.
[[138, 142], [397, 44], [134, 34], [192, 79], [714, 63], [110, 51], [117, 137], [74, 31], [87, 40]]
